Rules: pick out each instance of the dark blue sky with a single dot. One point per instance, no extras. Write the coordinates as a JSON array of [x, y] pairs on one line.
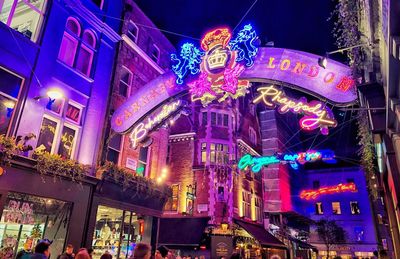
[[300, 25]]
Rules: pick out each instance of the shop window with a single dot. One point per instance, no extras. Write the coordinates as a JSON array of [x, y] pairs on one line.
[[336, 208], [125, 82], [23, 16], [10, 86], [355, 209], [204, 118], [155, 53], [60, 128], [114, 148], [133, 31], [26, 219], [172, 203], [117, 232], [318, 208], [246, 204], [203, 152], [99, 3], [142, 165], [77, 51]]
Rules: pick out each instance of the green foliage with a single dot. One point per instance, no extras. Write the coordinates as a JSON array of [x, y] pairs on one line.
[[8, 148], [367, 152], [36, 232]]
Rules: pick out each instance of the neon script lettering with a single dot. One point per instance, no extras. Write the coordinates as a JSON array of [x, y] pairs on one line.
[[256, 163], [317, 115], [340, 188], [143, 128]]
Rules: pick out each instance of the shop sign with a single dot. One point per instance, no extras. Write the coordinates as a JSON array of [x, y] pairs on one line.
[[131, 163], [316, 114], [221, 246], [19, 212], [257, 163], [340, 188], [141, 130]]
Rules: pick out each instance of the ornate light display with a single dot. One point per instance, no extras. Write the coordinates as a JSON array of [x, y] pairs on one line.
[[243, 43], [340, 188], [188, 61], [316, 114], [257, 163]]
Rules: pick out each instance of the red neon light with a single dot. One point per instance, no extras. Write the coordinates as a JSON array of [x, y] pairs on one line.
[[345, 84], [313, 194]]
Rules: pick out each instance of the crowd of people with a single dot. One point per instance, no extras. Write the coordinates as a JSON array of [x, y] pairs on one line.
[[141, 251]]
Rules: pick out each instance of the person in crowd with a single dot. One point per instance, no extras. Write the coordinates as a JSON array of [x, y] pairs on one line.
[[141, 251], [42, 250], [161, 252], [90, 252], [82, 254], [68, 254], [106, 255], [235, 256]]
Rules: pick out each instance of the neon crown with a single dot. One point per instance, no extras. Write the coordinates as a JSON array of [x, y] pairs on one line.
[[220, 36]]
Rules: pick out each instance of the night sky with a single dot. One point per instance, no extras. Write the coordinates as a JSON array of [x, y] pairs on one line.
[[301, 25]]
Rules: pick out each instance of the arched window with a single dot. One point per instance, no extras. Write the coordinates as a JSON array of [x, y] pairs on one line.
[[77, 49], [125, 82], [70, 41], [86, 52]]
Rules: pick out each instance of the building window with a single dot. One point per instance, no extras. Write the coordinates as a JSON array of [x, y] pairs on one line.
[[99, 3], [117, 231], [318, 208], [258, 209], [252, 136], [219, 153], [219, 119], [23, 16], [204, 118], [203, 152], [380, 219], [355, 210], [221, 193], [142, 165], [336, 208], [316, 185], [76, 51], [10, 87], [155, 53], [172, 203], [26, 219], [246, 204], [114, 148], [59, 131], [125, 82], [133, 31]]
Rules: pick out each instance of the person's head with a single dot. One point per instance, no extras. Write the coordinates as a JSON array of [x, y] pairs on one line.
[[82, 254], [106, 255], [43, 248], [90, 251], [157, 254], [70, 249], [142, 251]]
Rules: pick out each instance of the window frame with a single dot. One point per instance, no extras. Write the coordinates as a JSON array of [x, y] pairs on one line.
[[128, 32], [129, 86], [121, 144], [358, 207], [155, 47], [318, 206], [340, 208], [91, 52], [62, 50]]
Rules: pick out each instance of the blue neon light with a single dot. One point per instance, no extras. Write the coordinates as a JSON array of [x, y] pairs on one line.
[[244, 44], [188, 61]]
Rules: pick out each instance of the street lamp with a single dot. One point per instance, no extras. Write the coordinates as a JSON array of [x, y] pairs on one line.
[[53, 94], [323, 61]]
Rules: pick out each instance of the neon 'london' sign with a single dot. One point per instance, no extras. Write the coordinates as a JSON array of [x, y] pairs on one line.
[[316, 114], [143, 128]]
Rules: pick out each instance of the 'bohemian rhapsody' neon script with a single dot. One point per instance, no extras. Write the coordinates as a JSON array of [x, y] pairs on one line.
[[143, 128], [342, 187], [317, 115]]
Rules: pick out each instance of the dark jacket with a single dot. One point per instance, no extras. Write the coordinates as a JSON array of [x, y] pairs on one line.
[[38, 256], [65, 256]]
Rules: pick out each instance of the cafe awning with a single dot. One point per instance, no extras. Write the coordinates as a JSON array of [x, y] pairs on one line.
[[181, 231], [265, 238]]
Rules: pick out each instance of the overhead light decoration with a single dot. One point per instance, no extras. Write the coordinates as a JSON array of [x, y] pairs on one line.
[[9, 106], [257, 163], [316, 114], [218, 65], [340, 188]]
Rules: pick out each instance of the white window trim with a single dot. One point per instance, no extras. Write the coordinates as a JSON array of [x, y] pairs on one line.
[[76, 105], [158, 51], [57, 132], [137, 31], [129, 85], [76, 137], [76, 41], [91, 51]]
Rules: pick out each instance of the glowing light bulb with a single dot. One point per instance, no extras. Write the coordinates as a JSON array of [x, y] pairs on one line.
[[9, 104], [54, 94]]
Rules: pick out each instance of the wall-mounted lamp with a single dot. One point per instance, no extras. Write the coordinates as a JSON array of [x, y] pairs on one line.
[[323, 61], [224, 226], [53, 95], [10, 107]]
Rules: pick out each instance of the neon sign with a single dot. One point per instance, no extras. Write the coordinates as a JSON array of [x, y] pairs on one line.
[[188, 61], [316, 114], [257, 163], [244, 44], [142, 129], [340, 188]]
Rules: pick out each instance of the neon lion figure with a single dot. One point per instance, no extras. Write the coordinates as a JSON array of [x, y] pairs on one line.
[[244, 45], [189, 60]]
